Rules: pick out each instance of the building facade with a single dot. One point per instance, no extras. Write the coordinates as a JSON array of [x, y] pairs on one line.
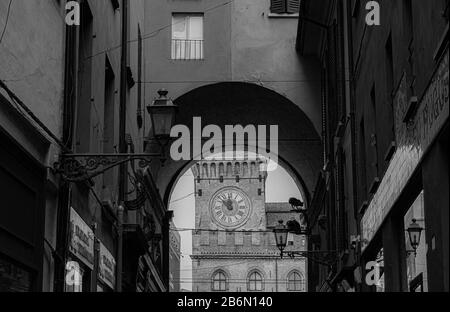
[[385, 136], [175, 261], [75, 90], [115, 206], [31, 96], [234, 247]]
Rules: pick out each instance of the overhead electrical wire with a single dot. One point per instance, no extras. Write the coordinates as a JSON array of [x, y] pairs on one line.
[[154, 32], [181, 198], [225, 231]]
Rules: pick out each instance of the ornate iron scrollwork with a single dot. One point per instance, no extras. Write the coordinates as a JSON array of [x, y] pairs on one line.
[[82, 167], [327, 258]]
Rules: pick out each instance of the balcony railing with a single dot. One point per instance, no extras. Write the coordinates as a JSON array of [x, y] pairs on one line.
[[187, 49]]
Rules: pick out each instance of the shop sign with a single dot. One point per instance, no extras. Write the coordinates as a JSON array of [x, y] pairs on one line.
[[413, 140], [81, 242], [107, 267]]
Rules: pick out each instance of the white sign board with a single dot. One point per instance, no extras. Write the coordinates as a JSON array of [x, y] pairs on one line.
[[81, 242], [107, 267]]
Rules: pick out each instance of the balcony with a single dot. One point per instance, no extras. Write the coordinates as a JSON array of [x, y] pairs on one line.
[[184, 50]]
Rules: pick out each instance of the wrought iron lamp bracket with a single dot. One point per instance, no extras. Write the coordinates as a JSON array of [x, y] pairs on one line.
[[326, 258], [83, 167]]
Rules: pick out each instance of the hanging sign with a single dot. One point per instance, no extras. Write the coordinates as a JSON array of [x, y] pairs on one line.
[[81, 242], [107, 267]]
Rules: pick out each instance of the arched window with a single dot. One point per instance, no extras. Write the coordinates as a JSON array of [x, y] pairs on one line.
[[255, 281], [229, 169], [213, 171], [205, 172], [219, 281], [295, 281]]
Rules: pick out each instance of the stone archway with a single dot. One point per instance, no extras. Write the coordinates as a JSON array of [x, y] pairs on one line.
[[237, 103]]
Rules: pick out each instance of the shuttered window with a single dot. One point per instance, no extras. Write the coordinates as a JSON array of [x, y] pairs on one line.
[[292, 6], [285, 6]]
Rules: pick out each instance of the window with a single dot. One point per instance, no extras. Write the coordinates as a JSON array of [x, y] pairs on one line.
[[255, 281], [139, 117], [109, 125], [290, 239], [408, 18], [295, 282], [362, 159], [14, 278], [373, 135], [86, 34], [284, 6], [219, 281], [108, 111], [115, 4], [389, 67], [390, 84], [187, 37]]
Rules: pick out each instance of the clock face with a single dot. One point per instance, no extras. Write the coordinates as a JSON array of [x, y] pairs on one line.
[[230, 207]]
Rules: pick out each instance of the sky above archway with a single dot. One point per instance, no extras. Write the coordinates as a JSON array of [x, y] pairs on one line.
[[279, 188]]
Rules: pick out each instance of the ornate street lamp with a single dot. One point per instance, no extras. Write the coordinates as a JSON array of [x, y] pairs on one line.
[[414, 232], [162, 113], [281, 231], [83, 167], [281, 234]]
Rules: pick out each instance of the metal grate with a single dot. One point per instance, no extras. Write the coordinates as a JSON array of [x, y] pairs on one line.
[[183, 49]]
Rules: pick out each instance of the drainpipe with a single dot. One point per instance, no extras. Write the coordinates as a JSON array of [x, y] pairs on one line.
[[122, 137], [94, 277], [123, 148], [64, 189], [353, 125], [119, 270]]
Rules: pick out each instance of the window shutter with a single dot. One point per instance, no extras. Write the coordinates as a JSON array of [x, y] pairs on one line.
[[292, 6], [278, 6]]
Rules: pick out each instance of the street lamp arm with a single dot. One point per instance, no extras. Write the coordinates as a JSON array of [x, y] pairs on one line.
[[309, 255], [83, 167]]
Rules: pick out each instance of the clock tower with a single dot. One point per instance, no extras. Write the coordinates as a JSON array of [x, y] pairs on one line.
[[230, 195], [233, 246]]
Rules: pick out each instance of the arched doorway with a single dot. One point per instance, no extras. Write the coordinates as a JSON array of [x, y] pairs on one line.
[[237, 103]]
